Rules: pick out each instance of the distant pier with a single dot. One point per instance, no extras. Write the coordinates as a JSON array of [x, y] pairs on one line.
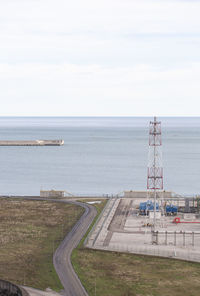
[[33, 143]]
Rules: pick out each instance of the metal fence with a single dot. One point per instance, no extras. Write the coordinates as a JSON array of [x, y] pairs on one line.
[[176, 238], [184, 253]]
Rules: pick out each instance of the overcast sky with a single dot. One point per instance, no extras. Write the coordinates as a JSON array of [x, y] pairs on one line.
[[100, 58]]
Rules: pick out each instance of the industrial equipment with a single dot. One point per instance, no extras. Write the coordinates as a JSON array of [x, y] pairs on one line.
[[147, 206], [171, 210], [178, 220]]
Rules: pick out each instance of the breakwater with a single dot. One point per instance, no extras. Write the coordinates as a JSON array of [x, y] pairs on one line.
[[33, 143]]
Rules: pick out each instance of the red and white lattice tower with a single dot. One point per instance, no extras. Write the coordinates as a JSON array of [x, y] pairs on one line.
[[155, 168]]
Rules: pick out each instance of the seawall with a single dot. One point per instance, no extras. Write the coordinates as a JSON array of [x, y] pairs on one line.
[[33, 143]]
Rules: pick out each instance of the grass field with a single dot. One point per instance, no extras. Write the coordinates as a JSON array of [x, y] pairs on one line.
[[118, 274], [30, 231]]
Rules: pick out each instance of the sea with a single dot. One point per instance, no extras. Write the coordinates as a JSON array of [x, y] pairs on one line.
[[101, 155]]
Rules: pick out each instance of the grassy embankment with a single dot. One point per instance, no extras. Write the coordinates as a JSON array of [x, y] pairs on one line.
[[120, 274], [30, 232]]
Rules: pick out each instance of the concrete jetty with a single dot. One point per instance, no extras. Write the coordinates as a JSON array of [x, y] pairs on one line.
[[33, 143]]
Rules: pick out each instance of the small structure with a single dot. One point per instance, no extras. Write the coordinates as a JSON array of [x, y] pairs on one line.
[[52, 193], [151, 214]]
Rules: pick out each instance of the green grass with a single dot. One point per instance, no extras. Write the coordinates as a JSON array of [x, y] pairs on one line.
[[75, 252], [30, 231], [119, 274]]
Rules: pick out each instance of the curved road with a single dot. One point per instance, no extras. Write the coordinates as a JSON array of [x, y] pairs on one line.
[[62, 256]]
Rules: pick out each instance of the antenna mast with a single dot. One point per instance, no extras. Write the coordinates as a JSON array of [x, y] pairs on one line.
[[155, 169]]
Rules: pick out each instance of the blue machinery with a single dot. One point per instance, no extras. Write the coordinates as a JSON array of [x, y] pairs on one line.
[[146, 207], [171, 209]]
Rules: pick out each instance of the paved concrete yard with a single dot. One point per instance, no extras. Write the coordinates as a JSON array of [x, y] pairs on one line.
[[120, 228]]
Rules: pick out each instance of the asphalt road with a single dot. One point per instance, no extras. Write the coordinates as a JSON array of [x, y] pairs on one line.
[[62, 256]]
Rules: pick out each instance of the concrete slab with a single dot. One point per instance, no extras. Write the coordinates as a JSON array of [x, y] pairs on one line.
[[121, 228]]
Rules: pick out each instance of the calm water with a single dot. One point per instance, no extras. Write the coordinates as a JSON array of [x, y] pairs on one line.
[[100, 155]]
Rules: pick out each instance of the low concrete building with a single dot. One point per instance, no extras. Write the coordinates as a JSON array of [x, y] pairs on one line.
[[52, 193], [146, 194]]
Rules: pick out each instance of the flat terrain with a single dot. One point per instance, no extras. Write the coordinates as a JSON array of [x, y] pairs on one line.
[[30, 231], [119, 274]]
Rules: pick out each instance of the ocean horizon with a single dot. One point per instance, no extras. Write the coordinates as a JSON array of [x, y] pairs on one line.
[[101, 155]]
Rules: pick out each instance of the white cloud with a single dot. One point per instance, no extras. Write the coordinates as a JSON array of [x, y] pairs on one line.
[[99, 57], [94, 90]]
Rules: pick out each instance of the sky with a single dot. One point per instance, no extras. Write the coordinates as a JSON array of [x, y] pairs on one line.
[[99, 58]]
